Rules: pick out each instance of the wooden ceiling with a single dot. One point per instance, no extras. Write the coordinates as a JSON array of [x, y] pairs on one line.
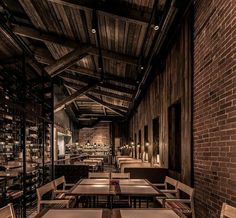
[[103, 71]]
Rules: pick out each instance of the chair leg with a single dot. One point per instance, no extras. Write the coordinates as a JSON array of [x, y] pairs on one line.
[[38, 207]]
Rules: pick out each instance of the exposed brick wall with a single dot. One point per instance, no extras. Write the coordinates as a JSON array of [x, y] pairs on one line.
[[214, 118], [100, 134]]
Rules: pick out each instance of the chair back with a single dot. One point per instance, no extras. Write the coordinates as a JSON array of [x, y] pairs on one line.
[[120, 175], [190, 192], [170, 181], [99, 175], [7, 211], [60, 181], [41, 191], [228, 211]]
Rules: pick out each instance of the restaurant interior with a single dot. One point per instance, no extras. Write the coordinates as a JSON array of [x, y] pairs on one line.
[[117, 108]]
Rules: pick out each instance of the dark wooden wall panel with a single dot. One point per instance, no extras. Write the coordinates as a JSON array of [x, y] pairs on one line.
[[173, 84]]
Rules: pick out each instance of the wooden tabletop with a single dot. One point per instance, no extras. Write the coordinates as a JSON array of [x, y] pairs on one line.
[[74, 213], [95, 189], [133, 182], [94, 181], [141, 213], [138, 190]]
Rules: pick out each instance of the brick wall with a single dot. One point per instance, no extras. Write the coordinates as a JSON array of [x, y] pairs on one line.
[[214, 118], [100, 134]]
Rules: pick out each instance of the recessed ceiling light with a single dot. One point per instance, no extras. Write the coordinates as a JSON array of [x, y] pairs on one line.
[[156, 27], [93, 31], [141, 68]]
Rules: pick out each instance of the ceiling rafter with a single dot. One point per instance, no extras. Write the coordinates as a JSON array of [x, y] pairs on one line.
[[73, 79], [100, 92], [72, 97], [114, 108], [67, 60], [35, 34], [43, 56]]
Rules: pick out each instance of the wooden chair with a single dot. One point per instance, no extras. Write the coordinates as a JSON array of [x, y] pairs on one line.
[[120, 175], [61, 188], [7, 211], [182, 206], [99, 175], [228, 211], [61, 185], [46, 196], [169, 182]]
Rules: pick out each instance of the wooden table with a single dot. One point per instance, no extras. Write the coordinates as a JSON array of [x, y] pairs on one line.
[[141, 213], [133, 182], [74, 213], [91, 191], [94, 181], [133, 188], [138, 189]]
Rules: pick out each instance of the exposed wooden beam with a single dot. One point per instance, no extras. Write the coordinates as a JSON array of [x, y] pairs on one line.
[[109, 8], [66, 42], [70, 81], [101, 92], [43, 56], [116, 88], [111, 95], [67, 60], [111, 107], [72, 97]]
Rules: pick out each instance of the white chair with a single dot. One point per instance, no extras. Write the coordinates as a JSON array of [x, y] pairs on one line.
[[7, 211], [228, 211]]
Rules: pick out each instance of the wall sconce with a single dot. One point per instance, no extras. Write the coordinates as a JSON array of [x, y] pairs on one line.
[[94, 22]]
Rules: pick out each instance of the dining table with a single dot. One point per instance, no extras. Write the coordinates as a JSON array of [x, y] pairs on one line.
[[134, 189], [141, 213], [74, 213]]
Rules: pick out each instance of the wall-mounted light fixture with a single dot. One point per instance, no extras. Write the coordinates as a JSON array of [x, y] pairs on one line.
[[94, 22], [156, 27]]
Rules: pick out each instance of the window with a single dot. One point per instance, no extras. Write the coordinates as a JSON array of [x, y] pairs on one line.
[[174, 136], [156, 138]]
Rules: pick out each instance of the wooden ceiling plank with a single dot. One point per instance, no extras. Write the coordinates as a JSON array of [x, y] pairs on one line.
[[67, 60], [113, 9], [112, 95], [103, 93], [105, 85], [43, 56], [107, 105], [52, 38], [72, 97]]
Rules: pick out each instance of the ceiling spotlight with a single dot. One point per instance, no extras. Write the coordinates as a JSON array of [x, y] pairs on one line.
[[155, 27], [93, 30], [147, 144], [64, 108], [141, 68]]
